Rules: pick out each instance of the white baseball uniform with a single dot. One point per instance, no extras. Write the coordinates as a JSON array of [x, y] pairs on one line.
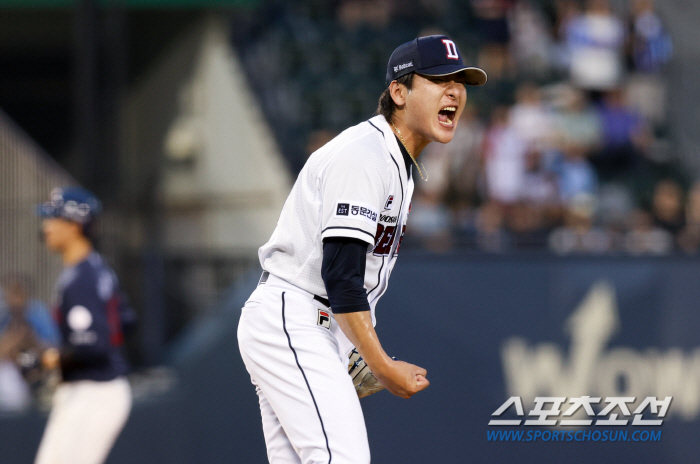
[[355, 186], [85, 421]]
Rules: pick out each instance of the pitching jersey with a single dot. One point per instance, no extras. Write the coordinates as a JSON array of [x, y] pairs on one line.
[[89, 315], [355, 186]]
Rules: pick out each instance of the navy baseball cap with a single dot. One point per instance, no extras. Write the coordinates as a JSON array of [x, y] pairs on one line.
[[434, 55], [72, 203]]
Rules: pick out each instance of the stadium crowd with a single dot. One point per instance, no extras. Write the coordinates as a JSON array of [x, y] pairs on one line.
[[566, 148]]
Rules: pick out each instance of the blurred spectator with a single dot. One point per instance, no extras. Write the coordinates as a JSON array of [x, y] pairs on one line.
[[577, 133], [576, 123], [575, 175], [667, 206], [689, 238], [540, 188], [579, 234], [26, 330], [494, 32], [645, 238], [430, 217], [615, 204], [531, 218], [355, 13], [436, 158], [530, 44], [651, 45], [564, 12], [504, 159], [530, 119], [595, 43], [625, 137], [490, 234], [464, 161], [430, 222], [650, 48], [527, 225]]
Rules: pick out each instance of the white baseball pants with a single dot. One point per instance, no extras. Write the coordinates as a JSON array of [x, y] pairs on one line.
[[310, 411], [85, 421]]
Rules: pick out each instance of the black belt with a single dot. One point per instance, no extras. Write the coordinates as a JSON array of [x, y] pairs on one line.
[[320, 299]]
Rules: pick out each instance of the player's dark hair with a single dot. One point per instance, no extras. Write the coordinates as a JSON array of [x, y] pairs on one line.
[[386, 105]]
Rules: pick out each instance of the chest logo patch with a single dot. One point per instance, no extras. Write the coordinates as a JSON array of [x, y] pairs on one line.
[[79, 318]]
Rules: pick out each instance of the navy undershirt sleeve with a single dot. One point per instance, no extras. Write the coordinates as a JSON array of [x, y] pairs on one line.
[[343, 272]]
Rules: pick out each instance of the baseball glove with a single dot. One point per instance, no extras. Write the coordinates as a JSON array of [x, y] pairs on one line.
[[365, 382]]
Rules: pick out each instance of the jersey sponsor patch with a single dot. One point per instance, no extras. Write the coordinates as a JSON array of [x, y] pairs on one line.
[[324, 319], [343, 209], [386, 219], [358, 211]]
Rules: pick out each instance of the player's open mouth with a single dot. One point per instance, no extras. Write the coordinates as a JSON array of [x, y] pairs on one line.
[[447, 115]]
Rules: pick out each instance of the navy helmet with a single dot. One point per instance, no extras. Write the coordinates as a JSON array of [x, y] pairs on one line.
[[72, 203], [434, 55]]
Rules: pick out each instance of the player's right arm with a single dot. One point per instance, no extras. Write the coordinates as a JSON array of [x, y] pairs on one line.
[[343, 273], [400, 378], [354, 188]]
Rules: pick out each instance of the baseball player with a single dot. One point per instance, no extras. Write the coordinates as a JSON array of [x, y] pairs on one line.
[[329, 260], [92, 404]]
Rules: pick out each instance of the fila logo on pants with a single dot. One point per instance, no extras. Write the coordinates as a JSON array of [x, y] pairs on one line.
[[324, 319]]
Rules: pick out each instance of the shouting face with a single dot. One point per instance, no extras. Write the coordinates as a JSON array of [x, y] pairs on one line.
[[432, 108]]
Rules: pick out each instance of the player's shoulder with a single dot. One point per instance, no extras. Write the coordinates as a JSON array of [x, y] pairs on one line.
[[103, 276], [89, 273], [369, 135], [363, 145]]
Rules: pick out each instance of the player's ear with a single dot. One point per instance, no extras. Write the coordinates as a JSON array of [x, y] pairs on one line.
[[398, 93]]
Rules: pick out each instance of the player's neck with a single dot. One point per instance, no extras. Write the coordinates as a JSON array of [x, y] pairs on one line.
[[76, 252], [414, 144]]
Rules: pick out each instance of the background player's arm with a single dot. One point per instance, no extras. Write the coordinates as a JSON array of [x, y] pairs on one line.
[[400, 378]]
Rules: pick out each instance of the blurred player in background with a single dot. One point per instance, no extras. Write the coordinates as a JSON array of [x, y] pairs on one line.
[[93, 402], [329, 259]]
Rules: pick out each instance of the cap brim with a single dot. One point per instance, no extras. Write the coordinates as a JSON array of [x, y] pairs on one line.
[[474, 76]]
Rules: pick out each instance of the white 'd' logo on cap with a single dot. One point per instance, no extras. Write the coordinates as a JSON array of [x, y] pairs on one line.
[[451, 49]]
